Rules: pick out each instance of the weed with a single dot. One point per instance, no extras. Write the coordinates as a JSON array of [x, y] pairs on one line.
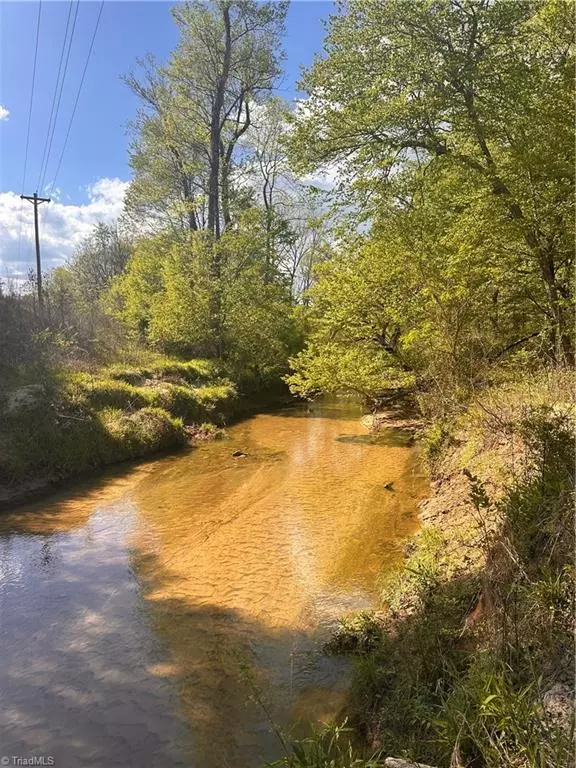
[[327, 747]]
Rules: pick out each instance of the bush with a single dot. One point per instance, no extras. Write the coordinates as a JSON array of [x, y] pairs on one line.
[[145, 431]]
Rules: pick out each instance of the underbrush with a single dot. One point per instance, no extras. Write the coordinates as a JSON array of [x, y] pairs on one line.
[[327, 747]]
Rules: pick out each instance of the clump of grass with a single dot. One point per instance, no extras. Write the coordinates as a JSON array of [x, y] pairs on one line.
[[145, 431], [495, 715], [179, 400], [189, 371], [327, 746], [103, 392]]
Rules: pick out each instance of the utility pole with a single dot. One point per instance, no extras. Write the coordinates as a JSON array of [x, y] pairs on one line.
[[35, 200]]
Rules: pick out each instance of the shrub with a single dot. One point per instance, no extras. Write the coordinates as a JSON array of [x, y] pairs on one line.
[[145, 431], [329, 746]]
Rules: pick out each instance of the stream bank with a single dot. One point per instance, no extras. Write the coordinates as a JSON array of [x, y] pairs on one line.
[[73, 423], [475, 627]]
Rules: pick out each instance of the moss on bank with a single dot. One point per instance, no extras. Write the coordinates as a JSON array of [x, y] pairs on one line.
[[71, 423]]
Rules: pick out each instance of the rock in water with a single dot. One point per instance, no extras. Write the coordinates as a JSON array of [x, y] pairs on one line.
[[239, 454]]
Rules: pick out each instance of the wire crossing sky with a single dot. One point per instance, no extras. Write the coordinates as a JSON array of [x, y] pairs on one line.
[[80, 109]]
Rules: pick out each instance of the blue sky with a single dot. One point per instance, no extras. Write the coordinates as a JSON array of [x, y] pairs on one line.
[[96, 152]]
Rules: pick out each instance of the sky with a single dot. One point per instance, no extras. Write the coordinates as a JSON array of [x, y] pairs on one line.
[[94, 172]]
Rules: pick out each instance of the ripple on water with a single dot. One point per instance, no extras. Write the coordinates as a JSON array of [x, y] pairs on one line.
[[155, 617]]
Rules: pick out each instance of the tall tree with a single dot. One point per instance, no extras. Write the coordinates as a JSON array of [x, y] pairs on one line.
[[196, 109], [481, 84]]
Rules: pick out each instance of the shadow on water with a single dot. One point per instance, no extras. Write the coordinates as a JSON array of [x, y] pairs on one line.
[[349, 410], [165, 617], [388, 438], [234, 675], [101, 669]]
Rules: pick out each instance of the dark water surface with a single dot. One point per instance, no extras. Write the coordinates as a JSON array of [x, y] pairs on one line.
[[163, 617]]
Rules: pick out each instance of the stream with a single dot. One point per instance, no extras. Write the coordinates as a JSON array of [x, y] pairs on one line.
[[168, 614]]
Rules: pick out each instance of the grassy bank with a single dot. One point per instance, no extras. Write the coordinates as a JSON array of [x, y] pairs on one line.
[[471, 661], [73, 422]]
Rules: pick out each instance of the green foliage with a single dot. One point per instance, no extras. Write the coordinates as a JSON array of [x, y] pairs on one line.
[[493, 714], [327, 747], [436, 113], [165, 298], [336, 368]]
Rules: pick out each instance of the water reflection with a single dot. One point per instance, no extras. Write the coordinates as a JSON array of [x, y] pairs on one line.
[[168, 615]]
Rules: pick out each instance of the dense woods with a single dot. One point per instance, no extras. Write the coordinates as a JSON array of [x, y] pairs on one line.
[[446, 250], [440, 264], [449, 122]]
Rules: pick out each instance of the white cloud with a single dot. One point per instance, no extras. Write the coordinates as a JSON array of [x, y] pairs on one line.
[[62, 226], [327, 177], [4, 113]]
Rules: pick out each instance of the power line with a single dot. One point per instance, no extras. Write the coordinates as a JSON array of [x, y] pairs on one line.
[[77, 97], [29, 123], [57, 95], [31, 95]]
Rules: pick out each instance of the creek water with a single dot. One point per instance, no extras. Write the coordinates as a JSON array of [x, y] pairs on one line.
[[168, 614]]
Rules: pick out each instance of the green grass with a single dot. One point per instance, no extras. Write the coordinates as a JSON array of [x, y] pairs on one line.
[[190, 371], [327, 747], [87, 419]]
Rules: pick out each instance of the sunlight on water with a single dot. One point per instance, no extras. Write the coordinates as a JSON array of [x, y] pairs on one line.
[[162, 617]]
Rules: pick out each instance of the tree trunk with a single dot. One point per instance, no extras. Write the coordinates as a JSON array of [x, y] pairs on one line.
[[214, 184], [561, 348], [216, 129]]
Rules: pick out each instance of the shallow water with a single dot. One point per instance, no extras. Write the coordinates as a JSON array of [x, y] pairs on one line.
[[168, 615]]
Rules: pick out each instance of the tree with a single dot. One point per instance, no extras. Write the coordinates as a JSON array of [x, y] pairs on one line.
[[196, 109], [434, 295], [164, 298], [97, 260], [480, 84]]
